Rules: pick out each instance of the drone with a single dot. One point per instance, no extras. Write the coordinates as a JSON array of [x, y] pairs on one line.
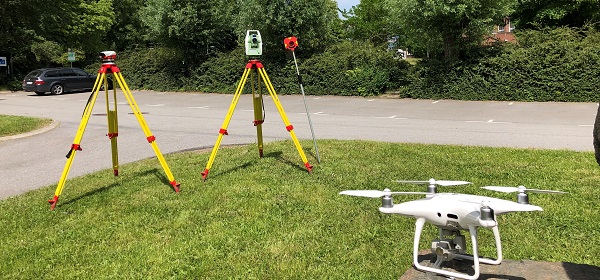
[[453, 213]]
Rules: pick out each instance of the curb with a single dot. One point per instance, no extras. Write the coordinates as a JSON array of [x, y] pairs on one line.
[[47, 128]]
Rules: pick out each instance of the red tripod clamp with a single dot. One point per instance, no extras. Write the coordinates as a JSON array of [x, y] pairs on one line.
[[290, 43]]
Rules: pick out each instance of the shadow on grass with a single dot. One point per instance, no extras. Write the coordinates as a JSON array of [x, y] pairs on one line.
[[231, 170], [159, 174], [278, 155]]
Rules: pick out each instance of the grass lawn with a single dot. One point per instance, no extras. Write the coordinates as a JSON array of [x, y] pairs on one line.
[[267, 218], [12, 125]]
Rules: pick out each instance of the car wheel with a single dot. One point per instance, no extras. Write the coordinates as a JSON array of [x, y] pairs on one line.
[[57, 89], [40, 93]]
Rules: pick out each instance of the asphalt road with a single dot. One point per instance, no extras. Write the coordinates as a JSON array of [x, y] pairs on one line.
[[185, 121]]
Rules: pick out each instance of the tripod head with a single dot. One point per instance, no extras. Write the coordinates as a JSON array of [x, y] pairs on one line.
[[108, 57]]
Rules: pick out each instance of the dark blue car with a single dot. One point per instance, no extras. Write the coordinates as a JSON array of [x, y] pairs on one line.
[[59, 80]]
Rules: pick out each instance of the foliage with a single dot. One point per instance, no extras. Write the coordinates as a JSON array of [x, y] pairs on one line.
[[128, 30], [369, 21], [454, 25], [266, 218], [534, 14], [189, 26], [219, 73], [353, 68], [312, 21], [161, 68], [549, 65], [347, 68]]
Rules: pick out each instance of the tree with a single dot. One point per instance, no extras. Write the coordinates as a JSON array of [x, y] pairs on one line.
[[453, 25], [312, 21], [45, 29], [369, 20], [188, 25], [128, 30], [556, 13]]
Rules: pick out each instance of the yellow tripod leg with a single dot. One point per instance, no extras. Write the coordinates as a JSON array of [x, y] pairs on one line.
[[151, 138], [287, 123], [87, 112], [257, 101], [113, 129], [223, 129]]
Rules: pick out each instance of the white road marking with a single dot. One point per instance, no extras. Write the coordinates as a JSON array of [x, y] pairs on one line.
[[317, 113], [391, 117], [155, 105], [200, 107], [586, 125], [435, 102], [489, 121]]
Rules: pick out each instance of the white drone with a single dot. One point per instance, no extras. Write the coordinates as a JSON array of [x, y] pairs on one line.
[[451, 213]]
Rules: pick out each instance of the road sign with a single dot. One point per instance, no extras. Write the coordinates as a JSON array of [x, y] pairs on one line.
[[3, 61], [71, 56]]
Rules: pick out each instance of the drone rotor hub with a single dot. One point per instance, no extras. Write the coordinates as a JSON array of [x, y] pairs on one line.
[[486, 213], [386, 199], [522, 198]]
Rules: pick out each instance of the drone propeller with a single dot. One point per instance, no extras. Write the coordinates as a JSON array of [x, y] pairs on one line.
[[375, 193], [436, 182], [520, 189]]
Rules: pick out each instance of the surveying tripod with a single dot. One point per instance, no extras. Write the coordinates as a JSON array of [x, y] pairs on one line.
[[252, 66], [109, 67]]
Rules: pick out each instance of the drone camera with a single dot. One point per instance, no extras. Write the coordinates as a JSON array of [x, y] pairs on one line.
[[108, 56], [253, 43]]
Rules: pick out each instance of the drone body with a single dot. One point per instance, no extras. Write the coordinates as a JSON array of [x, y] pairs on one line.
[[453, 213]]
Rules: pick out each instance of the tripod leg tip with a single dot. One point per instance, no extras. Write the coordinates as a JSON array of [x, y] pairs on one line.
[[116, 172], [204, 174], [175, 186], [53, 202], [308, 167]]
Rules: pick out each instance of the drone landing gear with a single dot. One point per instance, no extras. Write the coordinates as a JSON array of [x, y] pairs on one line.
[[449, 249]]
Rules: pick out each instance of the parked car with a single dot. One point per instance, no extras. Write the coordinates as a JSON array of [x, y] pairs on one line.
[[59, 80]]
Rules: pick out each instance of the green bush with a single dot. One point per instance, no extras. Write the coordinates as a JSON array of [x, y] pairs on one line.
[[160, 68], [219, 74], [547, 65], [354, 68], [348, 68]]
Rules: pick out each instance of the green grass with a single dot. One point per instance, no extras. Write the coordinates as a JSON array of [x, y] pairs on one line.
[[12, 125], [267, 218]]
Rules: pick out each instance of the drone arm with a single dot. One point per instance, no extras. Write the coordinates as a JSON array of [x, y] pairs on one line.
[[418, 229]]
